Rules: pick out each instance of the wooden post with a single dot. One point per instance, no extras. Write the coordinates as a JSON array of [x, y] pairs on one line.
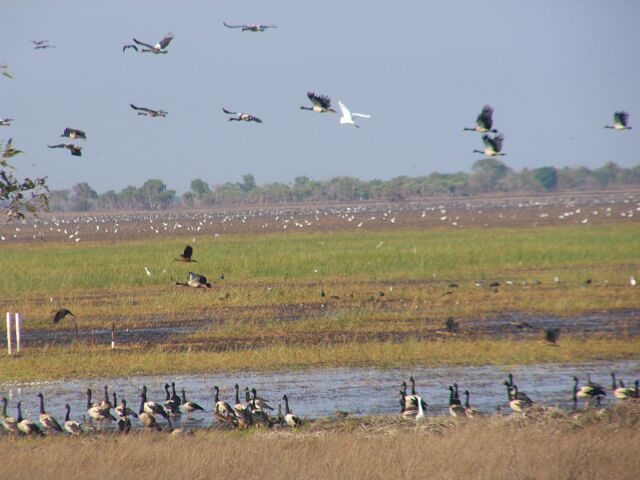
[[113, 335], [9, 346], [18, 327]]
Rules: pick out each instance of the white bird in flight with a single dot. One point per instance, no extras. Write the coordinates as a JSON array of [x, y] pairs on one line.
[[346, 118]]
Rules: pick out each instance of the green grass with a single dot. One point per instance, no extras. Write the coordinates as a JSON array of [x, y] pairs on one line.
[[82, 361]]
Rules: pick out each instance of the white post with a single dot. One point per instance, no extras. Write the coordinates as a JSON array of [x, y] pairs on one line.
[[9, 351], [18, 327]]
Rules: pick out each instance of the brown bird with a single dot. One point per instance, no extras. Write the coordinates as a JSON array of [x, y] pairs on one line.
[[186, 255]]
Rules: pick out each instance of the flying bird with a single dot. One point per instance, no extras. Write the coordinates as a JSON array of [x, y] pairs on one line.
[[244, 117], [4, 67], [159, 47], [149, 112], [186, 255], [5, 122], [492, 146], [620, 121], [74, 133], [484, 121], [252, 27], [321, 103], [60, 314], [41, 44], [9, 151], [346, 118], [75, 150]]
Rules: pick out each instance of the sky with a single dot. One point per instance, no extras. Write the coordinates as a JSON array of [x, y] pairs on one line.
[[553, 71]]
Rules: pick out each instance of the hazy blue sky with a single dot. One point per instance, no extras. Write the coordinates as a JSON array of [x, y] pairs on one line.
[[553, 71]]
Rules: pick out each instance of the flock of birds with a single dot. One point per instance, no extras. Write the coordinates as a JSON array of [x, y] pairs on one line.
[[414, 406], [320, 103], [255, 411]]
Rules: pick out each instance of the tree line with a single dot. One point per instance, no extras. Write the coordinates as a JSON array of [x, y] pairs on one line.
[[488, 175]]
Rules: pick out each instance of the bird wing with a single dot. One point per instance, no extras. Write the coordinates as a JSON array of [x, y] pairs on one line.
[[228, 112], [60, 314], [345, 111], [188, 251], [254, 119], [621, 117], [320, 100], [194, 277], [362, 115], [487, 141], [144, 109], [485, 119], [164, 43], [60, 145], [233, 26], [129, 46], [144, 44], [497, 142]]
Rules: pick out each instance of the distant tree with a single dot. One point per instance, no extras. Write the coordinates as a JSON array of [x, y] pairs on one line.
[[248, 183], [487, 172], [547, 177], [156, 195], [82, 197], [200, 191], [20, 196]]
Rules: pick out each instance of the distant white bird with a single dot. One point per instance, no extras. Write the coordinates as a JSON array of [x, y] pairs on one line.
[[147, 271], [632, 281], [346, 118]]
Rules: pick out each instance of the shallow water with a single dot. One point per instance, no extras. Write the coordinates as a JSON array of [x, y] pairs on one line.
[[316, 393]]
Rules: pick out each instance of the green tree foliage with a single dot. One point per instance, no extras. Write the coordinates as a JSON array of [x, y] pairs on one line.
[[547, 177], [20, 196]]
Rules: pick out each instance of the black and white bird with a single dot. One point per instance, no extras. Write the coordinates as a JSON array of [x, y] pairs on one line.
[[74, 133], [321, 103], [49, 422], [189, 406], [196, 281], [242, 117], [159, 47], [149, 112], [25, 425], [75, 150], [492, 145], [5, 122], [484, 121], [620, 121], [290, 419], [251, 27], [71, 426], [186, 255], [347, 116]]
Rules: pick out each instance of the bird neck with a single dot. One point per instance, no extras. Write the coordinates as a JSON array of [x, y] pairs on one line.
[[19, 419], [42, 405], [66, 417]]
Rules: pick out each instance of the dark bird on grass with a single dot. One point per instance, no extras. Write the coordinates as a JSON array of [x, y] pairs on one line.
[[252, 27], [451, 325], [71, 426], [620, 121], [455, 406], [159, 47], [321, 103], [9, 151], [552, 335], [149, 112], [25, 425], [60, 314], [587, 281], [49, 422], [75, 150], [186, 255], [322, 293], [74, 133], [195, 281], [484, 121], [5, 122], [242, 117], [492, 145]]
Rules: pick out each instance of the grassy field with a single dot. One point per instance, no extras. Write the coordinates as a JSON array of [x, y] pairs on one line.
[[554, 445], [384, 290]]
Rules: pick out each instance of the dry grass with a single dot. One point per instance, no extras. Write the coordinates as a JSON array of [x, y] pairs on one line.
[[550, 446]]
